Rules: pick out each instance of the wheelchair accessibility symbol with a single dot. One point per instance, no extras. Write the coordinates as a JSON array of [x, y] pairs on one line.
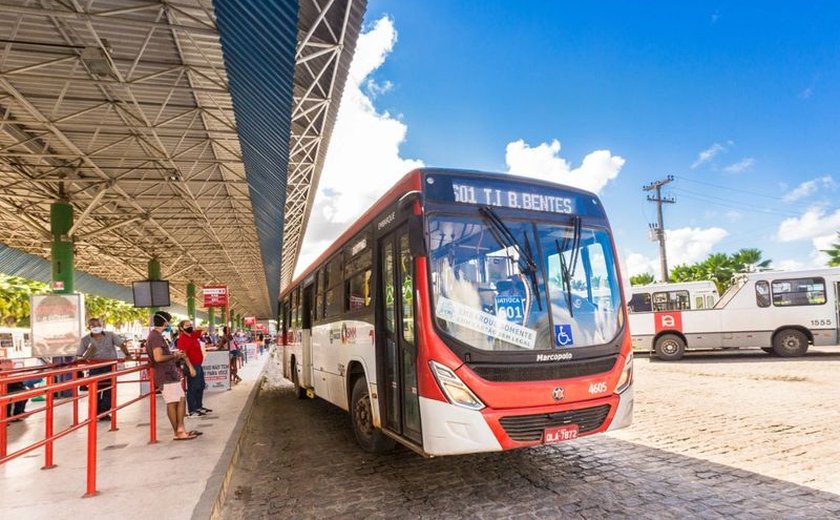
[[563, 335]]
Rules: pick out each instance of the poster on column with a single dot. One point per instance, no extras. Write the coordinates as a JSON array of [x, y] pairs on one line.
[[250, 351], [217, 370], [56, 324]]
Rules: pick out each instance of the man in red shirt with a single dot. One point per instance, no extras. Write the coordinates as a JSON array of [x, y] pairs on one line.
[[189, 344]]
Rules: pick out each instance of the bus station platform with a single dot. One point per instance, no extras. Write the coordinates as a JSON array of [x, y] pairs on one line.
[[134, 479]]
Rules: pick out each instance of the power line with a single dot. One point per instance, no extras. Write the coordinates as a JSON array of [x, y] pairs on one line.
[[729, 188]]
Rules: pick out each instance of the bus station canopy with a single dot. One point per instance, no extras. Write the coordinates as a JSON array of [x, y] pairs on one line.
[[189, 131]]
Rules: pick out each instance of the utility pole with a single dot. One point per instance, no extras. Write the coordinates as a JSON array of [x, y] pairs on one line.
[[657, 231]]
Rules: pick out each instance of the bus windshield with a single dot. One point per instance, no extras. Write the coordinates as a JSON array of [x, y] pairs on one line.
[[508, 285]]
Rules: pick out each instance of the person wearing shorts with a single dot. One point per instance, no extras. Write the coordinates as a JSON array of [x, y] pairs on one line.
[[167, 375]]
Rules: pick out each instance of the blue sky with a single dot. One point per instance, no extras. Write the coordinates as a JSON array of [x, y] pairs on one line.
[[739, 102]]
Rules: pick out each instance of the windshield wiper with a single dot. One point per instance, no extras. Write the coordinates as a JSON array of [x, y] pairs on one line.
[[525, 258], [567, 271]]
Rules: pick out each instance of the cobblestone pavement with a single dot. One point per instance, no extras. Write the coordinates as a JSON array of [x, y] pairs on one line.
[[714, 437]]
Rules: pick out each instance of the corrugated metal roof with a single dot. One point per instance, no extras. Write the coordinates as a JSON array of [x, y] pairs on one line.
[[258, 40]]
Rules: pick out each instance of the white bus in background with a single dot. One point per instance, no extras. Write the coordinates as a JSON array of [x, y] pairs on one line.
[[781, 312], [681, 296]]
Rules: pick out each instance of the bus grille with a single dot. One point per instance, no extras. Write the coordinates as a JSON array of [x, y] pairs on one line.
[[530, 427], [544, 371]]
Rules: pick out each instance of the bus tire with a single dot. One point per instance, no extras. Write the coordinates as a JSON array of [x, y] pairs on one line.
[[790, 343], [669, 347], [369, 437], [299, 390]]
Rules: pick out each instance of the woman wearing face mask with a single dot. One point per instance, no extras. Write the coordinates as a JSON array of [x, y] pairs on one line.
[[101, 345], [188, 343]]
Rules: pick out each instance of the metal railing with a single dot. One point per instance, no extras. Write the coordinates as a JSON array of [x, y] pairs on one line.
[[54, 375]]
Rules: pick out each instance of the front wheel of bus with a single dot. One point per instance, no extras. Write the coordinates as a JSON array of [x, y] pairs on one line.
[[670, 347], [369, 437], [790, 343]]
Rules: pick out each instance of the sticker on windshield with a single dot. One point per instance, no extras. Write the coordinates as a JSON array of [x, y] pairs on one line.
[[485, 323], [563, 335], [511, 308]]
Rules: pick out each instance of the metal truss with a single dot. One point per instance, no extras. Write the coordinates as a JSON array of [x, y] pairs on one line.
[[122, 109], [327, 33]]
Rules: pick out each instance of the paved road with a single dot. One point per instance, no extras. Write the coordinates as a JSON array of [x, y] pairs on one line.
[[715, 437]]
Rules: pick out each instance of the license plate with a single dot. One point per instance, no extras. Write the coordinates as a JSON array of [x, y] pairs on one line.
[[560, 433]]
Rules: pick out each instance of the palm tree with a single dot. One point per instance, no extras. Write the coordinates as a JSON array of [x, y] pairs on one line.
[[834, 253], [718, 268], [748, 260], [641, 279]]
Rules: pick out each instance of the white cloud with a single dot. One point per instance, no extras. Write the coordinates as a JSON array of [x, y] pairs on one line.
[[813, 223], [683, 246], [789, 265], [740, 166], [543, 162], [807, 93], [821, 243], [690, 245], [364, 157], [809, 187], [707, 155]]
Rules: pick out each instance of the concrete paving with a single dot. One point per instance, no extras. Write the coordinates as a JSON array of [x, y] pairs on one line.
[[135, 479]]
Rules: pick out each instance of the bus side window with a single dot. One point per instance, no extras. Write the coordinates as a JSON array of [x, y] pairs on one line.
[[640, 303], [762, 293]]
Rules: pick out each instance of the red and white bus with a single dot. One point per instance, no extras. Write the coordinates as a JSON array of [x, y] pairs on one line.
[[466, 312]]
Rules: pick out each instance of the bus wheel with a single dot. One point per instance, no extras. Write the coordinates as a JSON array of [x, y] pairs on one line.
[[790, 343], [670, 347], [299, 390], [369, 437]]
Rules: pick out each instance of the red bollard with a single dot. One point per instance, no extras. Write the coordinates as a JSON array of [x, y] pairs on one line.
[[152, 407], [48, 421], [91, 445]]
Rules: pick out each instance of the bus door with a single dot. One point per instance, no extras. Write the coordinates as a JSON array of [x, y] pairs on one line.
[[395, 332], [306, 335]]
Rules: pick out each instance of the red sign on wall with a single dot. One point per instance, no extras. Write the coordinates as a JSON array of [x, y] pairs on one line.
[[668, 321], [250, 320], [215, 295]]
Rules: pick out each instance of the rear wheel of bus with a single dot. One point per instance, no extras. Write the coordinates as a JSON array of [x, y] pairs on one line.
[[790, 343], [670, 347], [369, 437]]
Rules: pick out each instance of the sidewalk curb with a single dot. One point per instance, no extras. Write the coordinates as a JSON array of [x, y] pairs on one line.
[[215, 493]]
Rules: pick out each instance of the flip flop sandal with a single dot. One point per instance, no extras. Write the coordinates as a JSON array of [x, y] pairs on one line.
[[188, 438], [195, 432]]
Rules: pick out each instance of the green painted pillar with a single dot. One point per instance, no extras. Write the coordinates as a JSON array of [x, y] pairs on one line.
[[211, 319], [224, 316], [61, 220], [154, 274], [191, 302]]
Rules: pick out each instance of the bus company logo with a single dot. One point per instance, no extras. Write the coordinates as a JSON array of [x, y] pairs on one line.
[[558, 393], [554, 357], [668, 321], [386, 221]]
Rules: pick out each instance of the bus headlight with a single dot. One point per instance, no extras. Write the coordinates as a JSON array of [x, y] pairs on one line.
[[454, 389], [626, 375]]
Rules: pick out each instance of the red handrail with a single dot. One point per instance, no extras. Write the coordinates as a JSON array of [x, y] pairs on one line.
[[52, 387]]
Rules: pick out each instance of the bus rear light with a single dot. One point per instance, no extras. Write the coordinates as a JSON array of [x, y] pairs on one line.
[[626, 375], [454, 389]]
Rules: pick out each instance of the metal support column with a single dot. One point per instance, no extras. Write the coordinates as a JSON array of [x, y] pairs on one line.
[[154, 274], [61, 221], [191, 302]]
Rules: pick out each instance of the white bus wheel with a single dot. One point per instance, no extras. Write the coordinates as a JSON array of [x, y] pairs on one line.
[[790, 343], [369, 437], [670, 347]]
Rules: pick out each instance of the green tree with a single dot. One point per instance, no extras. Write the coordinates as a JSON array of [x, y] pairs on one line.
[[748, 260], [834, 253], [641, 279]]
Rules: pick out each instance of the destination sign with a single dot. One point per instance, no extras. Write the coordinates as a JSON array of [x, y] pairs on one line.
[[513, 195]]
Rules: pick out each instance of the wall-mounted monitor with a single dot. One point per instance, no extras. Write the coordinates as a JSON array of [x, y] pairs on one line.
[[151, 293]]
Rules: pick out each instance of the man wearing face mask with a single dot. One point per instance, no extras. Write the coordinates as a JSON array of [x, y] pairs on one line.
[[101, 345], [188, 343]]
